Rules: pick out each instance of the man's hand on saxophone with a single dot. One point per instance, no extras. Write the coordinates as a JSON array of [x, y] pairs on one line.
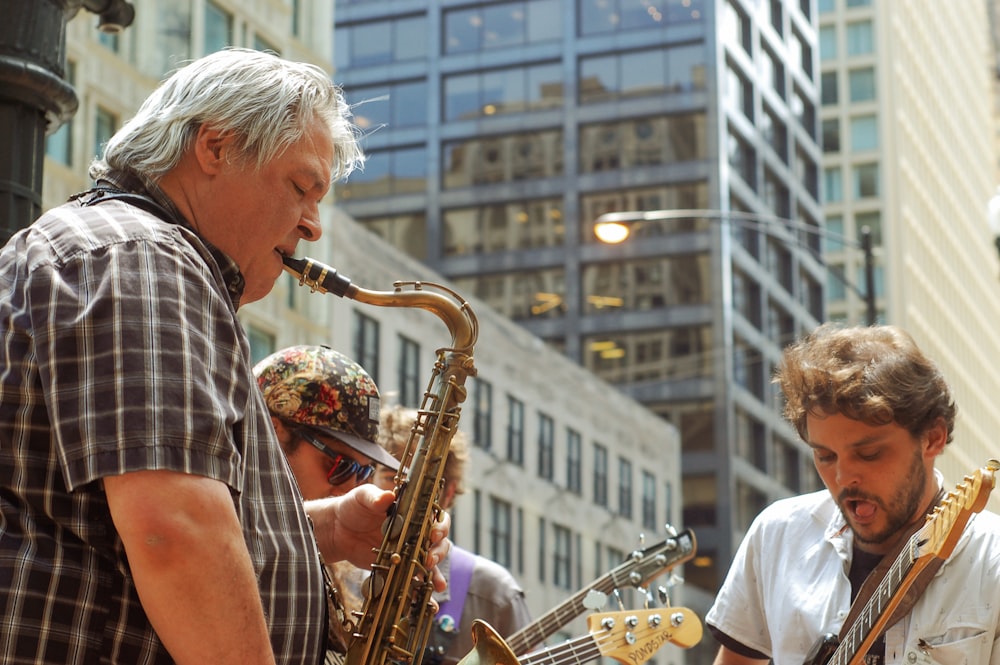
[[349, 528]]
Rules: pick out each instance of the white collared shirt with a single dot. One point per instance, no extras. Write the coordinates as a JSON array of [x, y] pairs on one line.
[[788, 586]]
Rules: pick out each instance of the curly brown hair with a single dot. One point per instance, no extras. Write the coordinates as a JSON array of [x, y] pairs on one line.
[[394, 431], [877, 375]]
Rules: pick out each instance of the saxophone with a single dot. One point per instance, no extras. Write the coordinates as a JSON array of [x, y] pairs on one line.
[[398, 612]]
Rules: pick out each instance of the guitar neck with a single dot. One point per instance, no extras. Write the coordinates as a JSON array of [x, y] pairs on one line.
[[572, 652], [861, 635], [546, 625]]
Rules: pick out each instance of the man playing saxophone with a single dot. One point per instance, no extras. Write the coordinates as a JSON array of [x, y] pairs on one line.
[[146, 512]]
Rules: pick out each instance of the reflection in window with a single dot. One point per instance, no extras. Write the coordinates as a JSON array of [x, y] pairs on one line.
[[524, 294], [873, 220], [607, 16], [388, 172], [642, 73], [742, 158], [393, 105], [366, 343], [501, 25], [380, 42], [662, 354], [828, 42], [514, 90], [504, 226], [686, 196], [642, 141], [831, 135], [501, 528], [406, 232], [646, 284], [506, 158]]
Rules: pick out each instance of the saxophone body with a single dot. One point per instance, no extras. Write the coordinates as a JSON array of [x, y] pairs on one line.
[[398, 612]]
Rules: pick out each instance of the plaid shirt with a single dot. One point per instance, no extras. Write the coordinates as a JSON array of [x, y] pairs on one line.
[[121, 351]]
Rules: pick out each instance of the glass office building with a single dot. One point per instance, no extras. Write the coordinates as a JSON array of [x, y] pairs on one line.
[[497, 132]]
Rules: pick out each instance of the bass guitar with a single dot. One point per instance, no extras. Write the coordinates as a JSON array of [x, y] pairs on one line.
[[935, 539], [630, 637], [638, 568]]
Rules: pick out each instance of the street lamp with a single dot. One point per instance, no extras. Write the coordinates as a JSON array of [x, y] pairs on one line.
[[615, 227]]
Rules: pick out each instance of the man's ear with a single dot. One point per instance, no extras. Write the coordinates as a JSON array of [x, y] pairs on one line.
[[211, 149], [937, 438]]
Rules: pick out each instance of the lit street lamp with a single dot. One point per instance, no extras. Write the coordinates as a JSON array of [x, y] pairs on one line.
[[615, 227]]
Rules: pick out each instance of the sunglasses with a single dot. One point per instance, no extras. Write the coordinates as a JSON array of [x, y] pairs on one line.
[[343, 467]]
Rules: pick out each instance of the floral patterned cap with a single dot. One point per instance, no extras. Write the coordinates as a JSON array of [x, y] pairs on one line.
[[325, 391]]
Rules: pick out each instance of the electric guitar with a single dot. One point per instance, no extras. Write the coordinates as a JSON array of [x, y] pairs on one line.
[[935, 539], [630, 637], [638, 568]]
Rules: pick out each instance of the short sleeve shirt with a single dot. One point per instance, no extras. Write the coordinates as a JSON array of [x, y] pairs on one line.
[[788, 586], [121, 352]]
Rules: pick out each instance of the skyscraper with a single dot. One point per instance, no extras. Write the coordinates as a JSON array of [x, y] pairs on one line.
[[498, 132]]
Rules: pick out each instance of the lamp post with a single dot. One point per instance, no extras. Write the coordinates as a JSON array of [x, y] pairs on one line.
[[615, 227], [34, 97]]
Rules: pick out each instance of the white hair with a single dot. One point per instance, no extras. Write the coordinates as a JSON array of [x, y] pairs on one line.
[[264, 101]]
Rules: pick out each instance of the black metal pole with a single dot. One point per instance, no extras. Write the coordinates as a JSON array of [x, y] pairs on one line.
[[871, 312], [35, 99]]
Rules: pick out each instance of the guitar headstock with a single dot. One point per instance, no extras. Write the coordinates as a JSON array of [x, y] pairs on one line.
[[945, 524], [632, 637], [643, 565]]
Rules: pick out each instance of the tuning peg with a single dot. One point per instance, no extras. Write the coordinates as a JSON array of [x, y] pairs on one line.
[[661, 591], [674, 579], [671, 531], [618, 598]]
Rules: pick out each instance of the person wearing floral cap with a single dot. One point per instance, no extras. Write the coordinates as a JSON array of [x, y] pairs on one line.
[[325, 409]]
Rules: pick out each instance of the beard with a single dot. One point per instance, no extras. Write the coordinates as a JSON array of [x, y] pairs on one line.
[[900, 510]]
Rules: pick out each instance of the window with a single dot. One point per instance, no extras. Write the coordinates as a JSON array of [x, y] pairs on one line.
[[828, 42], [873, 220], [833, 185], [831, 135], [218, 28], [649, 501], [409, 372], [401, 104], [366, 340], [105, 124], [860, 39], [541, 549], [865, 181], [482, 423], [833, 240], [515, 430], [380, 42], [830, 95], [502, 25], [399, 170], [600, 475], [546, 446], [624, 487], [262, 343], [59, 146], [562, 558], [862, 84], [864, 133], [573, 461], [500, 531]]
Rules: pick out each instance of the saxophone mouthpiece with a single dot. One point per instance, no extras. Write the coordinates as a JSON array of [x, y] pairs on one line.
[[317, 276]]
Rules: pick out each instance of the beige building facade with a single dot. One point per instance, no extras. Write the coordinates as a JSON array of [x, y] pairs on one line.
[[908, 125]]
